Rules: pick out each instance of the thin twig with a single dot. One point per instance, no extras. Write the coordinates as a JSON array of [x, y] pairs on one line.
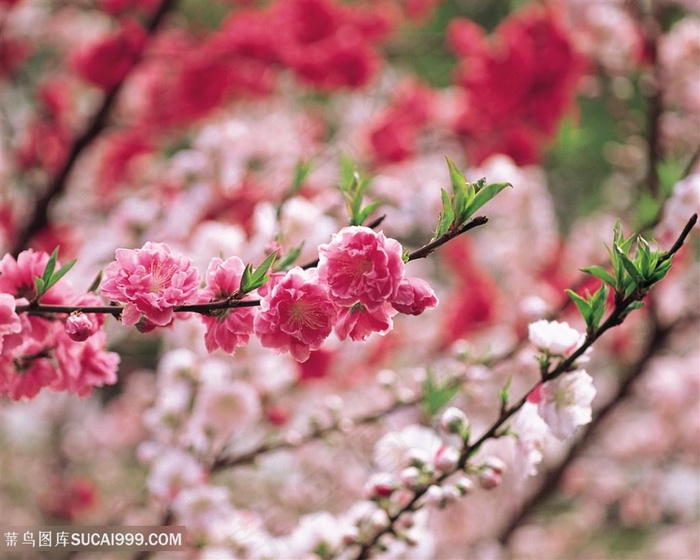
[[616, 317], [552, 478], [233, 301]]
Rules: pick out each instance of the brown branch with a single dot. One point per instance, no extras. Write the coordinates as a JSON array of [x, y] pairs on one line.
[[552, 478], [222, 463], [428, 249], [616, 317], [40, 215], [234, 301]]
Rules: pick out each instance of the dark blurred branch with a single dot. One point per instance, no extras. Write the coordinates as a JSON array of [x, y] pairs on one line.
[[40, 215], [649, 18]]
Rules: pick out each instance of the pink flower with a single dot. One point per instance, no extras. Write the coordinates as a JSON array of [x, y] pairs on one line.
[[25, 367], [226, 328], [9, 320], [566, 402], [414, 296], [553, 337], [358, 321], [296, 316], [79, 327], [151, 280], [360, 265], [84, 365]]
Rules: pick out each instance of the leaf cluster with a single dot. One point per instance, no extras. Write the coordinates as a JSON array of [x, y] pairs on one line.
[[436, 395], [465, 200], [48, 279], [254, 278], [635, 268], [353, 189]]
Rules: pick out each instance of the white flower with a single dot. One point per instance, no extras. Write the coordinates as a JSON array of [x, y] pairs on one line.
[[315, 531], [559, 339], [453, 421], [566, 402], [392, 451], [200, 507], [530, 432], [172, 472]]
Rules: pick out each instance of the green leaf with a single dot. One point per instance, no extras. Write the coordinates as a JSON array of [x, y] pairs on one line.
[[447, 215], [44, 283], [290, 257], [365, 213], [301, 171], [39, 287], [504, 393], [347, 173], [600, 273], [643, 257], [253, 279], [629, 266], [634, 305], [50, 266], [435, 396], [599, 304], [647, 209], [457, 179], [463, 192], [670, 172], [583, 306], [618, 269], [60, 274], [485, 194], [96, 282], [660, 271]]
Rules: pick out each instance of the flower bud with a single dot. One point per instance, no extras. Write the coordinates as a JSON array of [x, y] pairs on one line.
[[450, 494], [350, 535], [379, 519], [464, 485], [495, 464], [379, 486], [416, 457], [409, 477], [446, 459], [453, 421], [79, 327], [434, 496], [386, 378], [406, 521], [489, 479]]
